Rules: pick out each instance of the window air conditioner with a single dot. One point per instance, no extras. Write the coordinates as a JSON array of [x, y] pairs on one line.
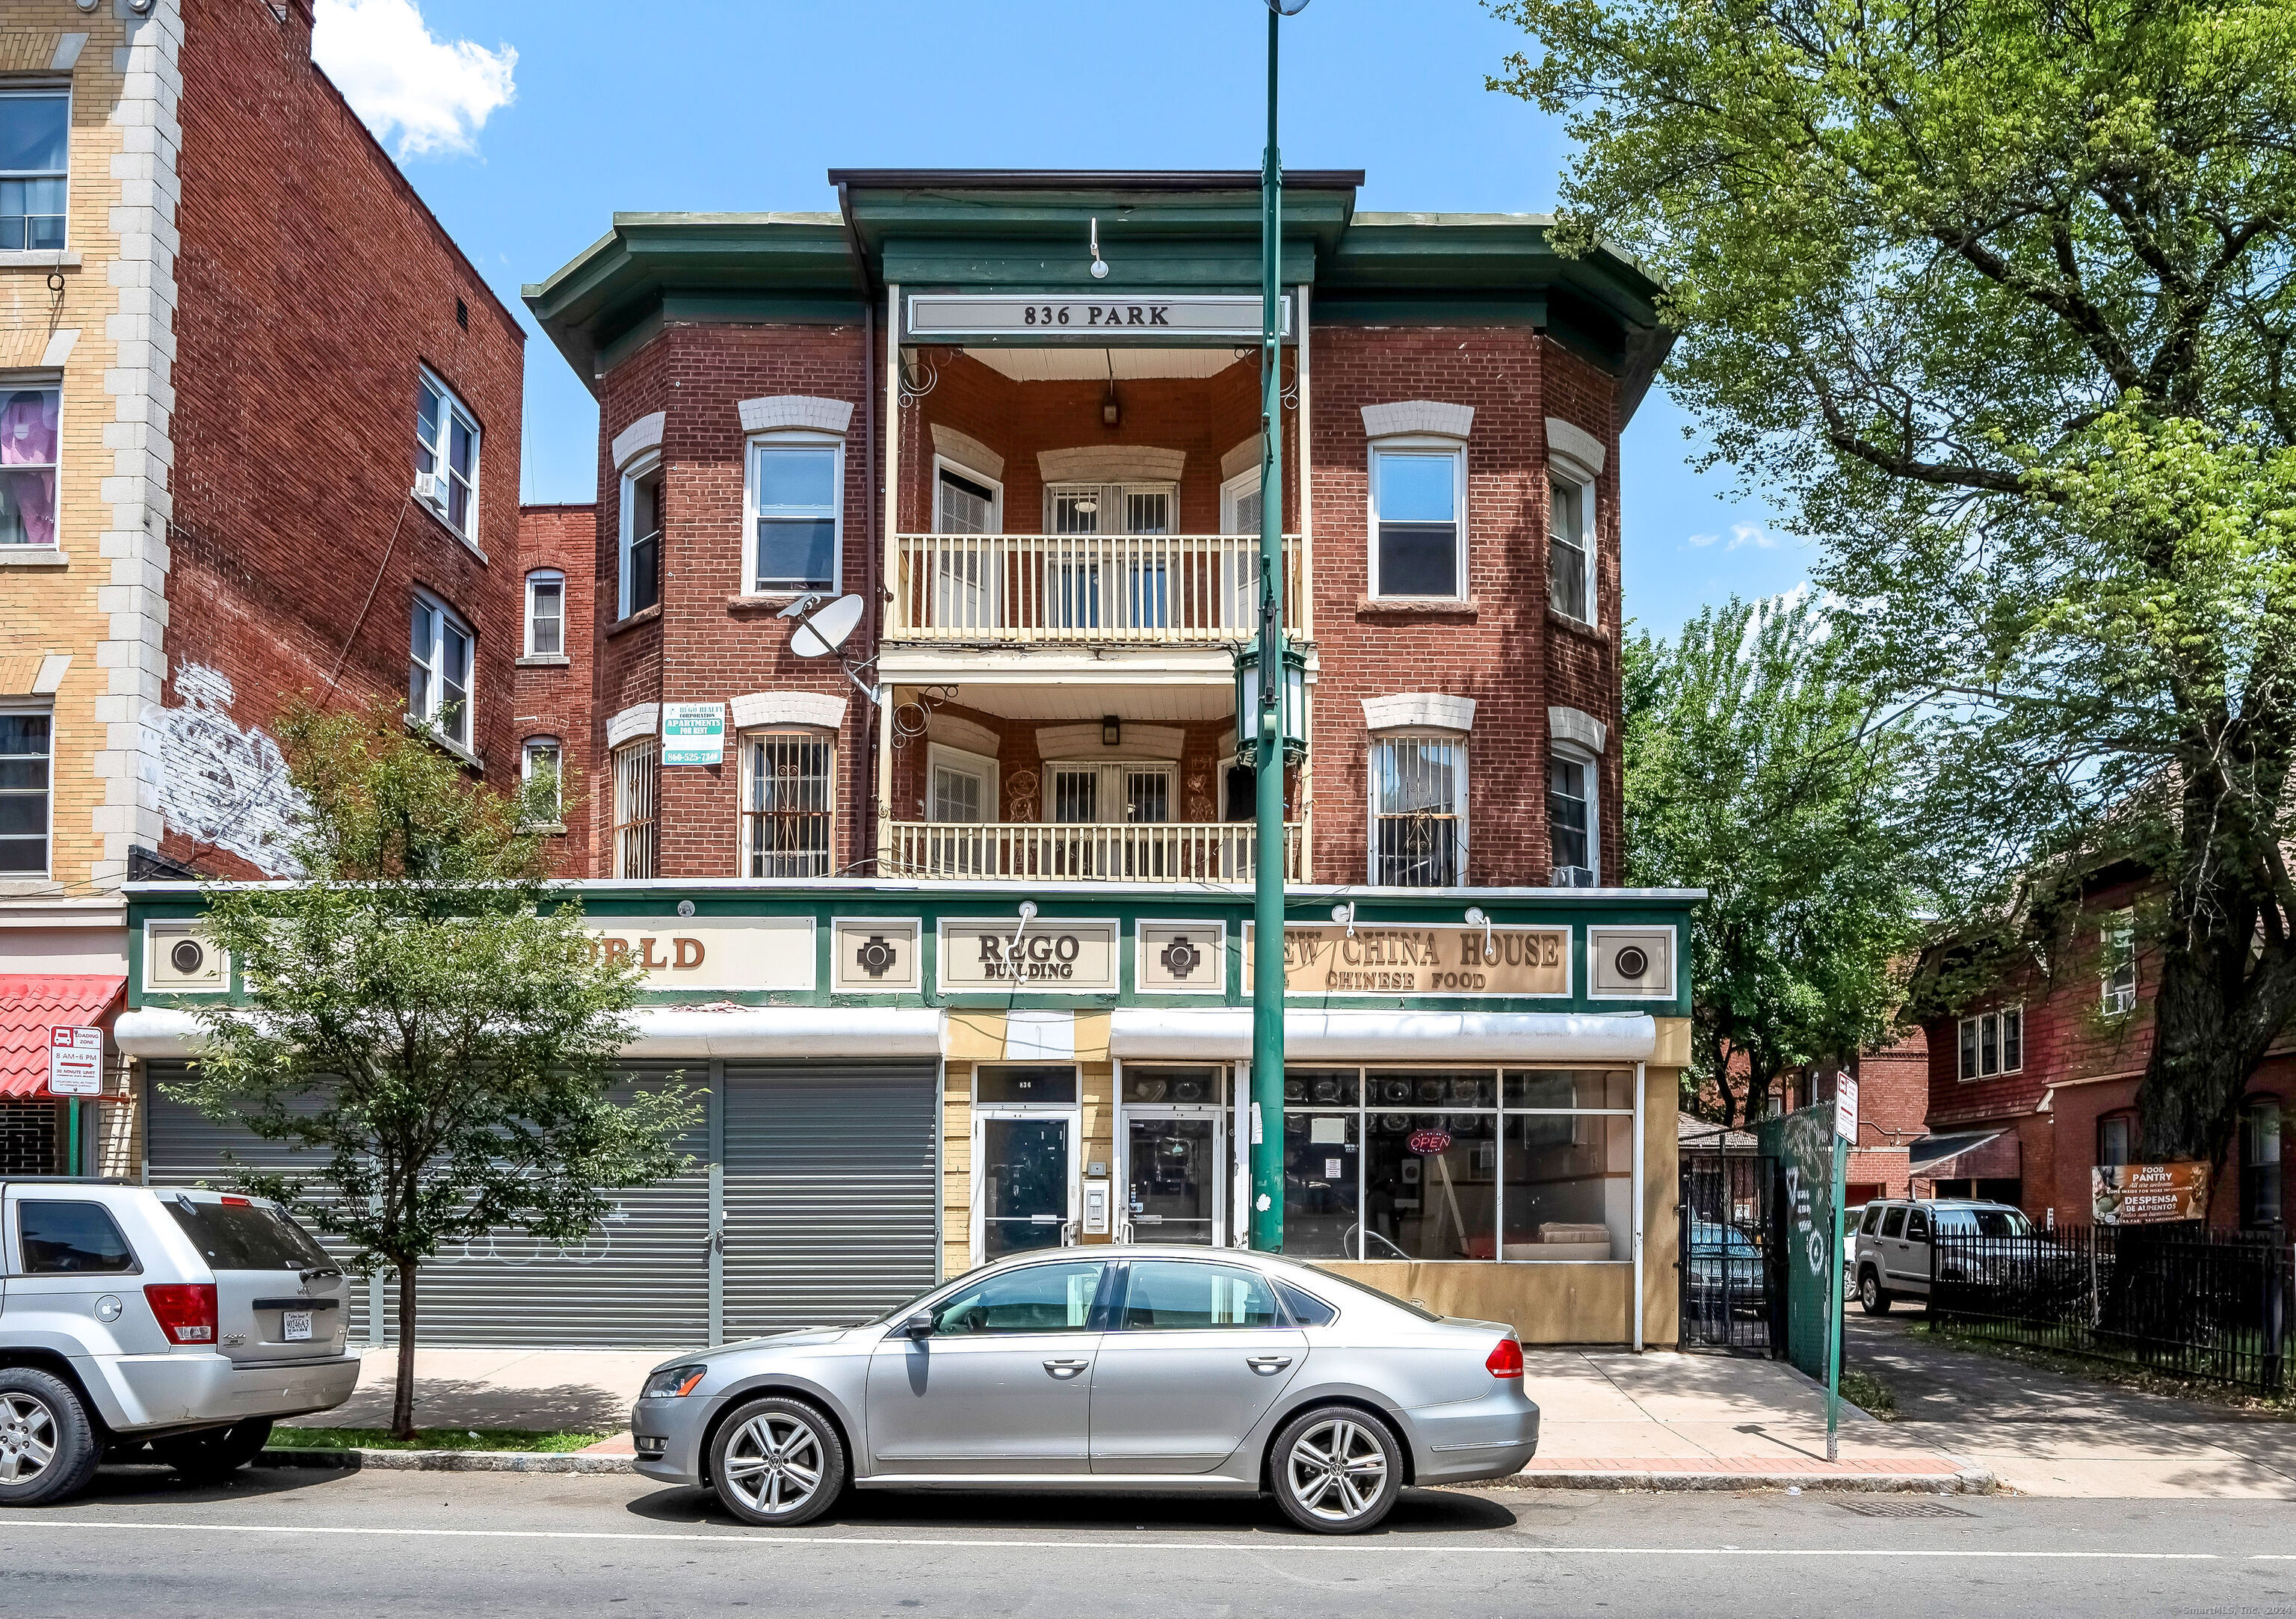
[[1571, 876], [426, 485]]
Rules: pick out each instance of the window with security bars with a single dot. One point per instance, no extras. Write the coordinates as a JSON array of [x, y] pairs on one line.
[[1113, 794], [637, 771], [1092, 585], [1419, 817], [787, 804]]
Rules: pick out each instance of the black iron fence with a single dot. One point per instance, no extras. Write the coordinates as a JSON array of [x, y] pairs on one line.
[[1732, 1245], [2184, 1300]]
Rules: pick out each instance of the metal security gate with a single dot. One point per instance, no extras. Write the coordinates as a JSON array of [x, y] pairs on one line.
[[1733, 1248], [831, 1192], [639, 1280]]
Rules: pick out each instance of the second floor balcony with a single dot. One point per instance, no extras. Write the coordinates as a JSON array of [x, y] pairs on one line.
[[1143, 589], [1220, 852]]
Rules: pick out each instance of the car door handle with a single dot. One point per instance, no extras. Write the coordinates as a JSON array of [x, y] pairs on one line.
[[1065, 1369], [1264, 1364]]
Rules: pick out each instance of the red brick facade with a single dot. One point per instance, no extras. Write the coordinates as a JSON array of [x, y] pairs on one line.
[[2081, 1065], [1893, 1097], [313, 285], [552, 696], [1503, 648]]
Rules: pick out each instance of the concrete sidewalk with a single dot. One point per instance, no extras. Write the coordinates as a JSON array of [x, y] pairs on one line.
[[1610, 1418]]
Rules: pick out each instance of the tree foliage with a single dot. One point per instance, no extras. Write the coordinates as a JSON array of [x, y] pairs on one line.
[[1996, 297], [423, 1018], [1753, 771]]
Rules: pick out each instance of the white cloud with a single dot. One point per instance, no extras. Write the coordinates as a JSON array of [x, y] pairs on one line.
[[1698, 542], [1751, 534], [433, 95]]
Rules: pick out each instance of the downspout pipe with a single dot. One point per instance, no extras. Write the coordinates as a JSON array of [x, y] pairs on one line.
[[871, 789]]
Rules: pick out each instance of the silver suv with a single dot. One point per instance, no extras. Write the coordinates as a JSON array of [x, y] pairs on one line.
[[140, 1321], [1891, 1258]]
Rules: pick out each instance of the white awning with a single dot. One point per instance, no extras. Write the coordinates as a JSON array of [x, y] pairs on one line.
[[1388, 1037], [663, 1031]]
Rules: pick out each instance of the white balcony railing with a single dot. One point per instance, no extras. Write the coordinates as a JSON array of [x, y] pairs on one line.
[[1145, 588], [1217, 851]]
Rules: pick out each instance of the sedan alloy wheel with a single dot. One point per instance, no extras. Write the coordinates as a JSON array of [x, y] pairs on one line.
[[1338, 1471], [778, 1461]]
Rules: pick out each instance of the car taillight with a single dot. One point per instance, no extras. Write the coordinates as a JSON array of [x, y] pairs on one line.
[[187, 1311], [1506, 1360]]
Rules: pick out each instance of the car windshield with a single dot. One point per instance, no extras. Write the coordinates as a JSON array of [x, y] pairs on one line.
[[1984, 1222], [247, 1236]]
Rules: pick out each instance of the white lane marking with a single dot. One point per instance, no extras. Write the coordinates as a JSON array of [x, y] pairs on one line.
[[1387, 1547]]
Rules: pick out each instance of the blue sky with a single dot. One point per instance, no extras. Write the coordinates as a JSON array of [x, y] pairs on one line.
[[743, 106]]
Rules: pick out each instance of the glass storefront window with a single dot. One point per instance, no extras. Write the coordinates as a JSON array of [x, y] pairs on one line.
[[1569, 1189], [1205, 1087], [1430, 1185], [1459, 1164], [1322, 1183]]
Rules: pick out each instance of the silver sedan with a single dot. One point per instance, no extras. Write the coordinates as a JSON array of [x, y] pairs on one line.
[[1108, 1368]]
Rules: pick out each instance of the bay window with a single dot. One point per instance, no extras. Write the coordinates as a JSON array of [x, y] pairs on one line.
[[640, 536], [797, 483], [1419, 811], [1418, 523], [1458, 1163], [438, 670]]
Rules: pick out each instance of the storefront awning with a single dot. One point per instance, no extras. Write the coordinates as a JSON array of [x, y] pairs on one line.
[[33, 1003], [1983, 1155], [664, 1031], [1387, 1037]]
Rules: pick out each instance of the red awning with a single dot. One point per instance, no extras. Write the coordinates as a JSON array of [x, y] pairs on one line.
[[33, 1003]]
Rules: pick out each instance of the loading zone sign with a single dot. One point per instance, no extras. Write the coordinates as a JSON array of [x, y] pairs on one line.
[[75, 1062]]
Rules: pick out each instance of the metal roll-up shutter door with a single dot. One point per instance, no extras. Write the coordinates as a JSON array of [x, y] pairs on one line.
[[830, 1196], [640, 1280], [183, 1147]]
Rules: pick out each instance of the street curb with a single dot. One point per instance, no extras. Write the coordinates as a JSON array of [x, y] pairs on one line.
[[1970, 1481], [449, 1461]]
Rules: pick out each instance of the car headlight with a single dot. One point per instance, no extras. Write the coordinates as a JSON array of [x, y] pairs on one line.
[[672, 1382]]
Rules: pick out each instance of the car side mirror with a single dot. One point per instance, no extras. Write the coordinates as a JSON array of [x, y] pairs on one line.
[[920, 1324]]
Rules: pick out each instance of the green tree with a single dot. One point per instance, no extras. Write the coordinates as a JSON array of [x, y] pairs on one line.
[[423, 1018], [1997, 296], [1753, 771]]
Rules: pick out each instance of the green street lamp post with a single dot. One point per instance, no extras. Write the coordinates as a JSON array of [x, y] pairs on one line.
[[1265, 726]]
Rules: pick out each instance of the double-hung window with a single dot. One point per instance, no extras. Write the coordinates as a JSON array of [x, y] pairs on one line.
[[1092, 582], [34, 170], [1993, 1043], [1573, 829], [541, 767], [1240, 511], [1419, 811], [546, 613], [27, 759], [788, 802], [641, 536], [438, 670], [446, 456], [968, 572], [1569, 571], [2259, 1162], [30, 434], [797, 514], [2118, 938], [1418, 501]]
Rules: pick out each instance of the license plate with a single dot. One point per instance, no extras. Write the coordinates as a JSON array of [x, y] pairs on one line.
[[296, 1325]]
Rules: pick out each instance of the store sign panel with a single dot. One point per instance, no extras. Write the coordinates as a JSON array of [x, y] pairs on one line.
[[710, 952], [1181, 958], [1063, 317], [2145, 1194], [875, 955], [1378, 960], [1004, 953]]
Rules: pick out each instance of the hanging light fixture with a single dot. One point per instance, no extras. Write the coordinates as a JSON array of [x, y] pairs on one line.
[[1112, 731], [1111, 408]]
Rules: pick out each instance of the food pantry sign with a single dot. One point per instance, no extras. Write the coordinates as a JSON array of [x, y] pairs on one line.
[[2149, 1194]]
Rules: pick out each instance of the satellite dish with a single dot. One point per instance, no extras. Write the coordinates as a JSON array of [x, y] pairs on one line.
[[825, 629]]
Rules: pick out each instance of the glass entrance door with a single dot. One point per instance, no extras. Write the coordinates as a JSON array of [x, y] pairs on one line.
[[1024, 1183], [1176, 1168]]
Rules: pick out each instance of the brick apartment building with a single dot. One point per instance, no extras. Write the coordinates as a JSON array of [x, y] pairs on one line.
[[948, 920], [259, 440], [2035, 1083]]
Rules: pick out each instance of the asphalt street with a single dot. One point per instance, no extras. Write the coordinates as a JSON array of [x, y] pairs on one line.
[[298, 1542]]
